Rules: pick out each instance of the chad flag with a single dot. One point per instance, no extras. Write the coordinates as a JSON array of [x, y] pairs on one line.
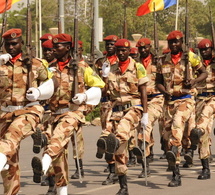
[[154, 5], [6, 4]]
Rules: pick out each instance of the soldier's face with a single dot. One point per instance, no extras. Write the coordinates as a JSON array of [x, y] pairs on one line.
[[122, 53], [110, 47], [206, 53], [13, 46], [60, 50], [48, 54], [175, 45], [144, 51]]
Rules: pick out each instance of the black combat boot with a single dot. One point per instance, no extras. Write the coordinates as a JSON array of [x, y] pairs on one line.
[[112, 177], [171, 157], [142, 174], [123, 185], [195, 135], [39, 140], [163, 147], [205, 174], [151, 155], [37, 167], [139, 154], [132, 159], [112, 144], [176, 177], [101, 147], [76, 174], [188, 157], [52, 188], [48, 181]]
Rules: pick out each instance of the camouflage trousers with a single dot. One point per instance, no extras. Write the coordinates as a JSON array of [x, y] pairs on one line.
[[63, 127], [132, 140], [205, 110], [155, 112], [179, 121], [13, 130], [122, 123]]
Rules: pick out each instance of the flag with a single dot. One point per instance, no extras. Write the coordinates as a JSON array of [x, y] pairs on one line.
[[9, 3], [154, 5]]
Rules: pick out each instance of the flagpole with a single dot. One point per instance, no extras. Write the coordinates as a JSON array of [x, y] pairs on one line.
[[176, 19]]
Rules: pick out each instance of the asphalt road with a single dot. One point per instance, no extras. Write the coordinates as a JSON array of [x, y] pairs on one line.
[[94, 175]]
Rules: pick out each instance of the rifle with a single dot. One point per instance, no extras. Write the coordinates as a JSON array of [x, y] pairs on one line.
[[3, 29], [156, 42], [212, 27], [92, 46], [186, 52], [73, 64]]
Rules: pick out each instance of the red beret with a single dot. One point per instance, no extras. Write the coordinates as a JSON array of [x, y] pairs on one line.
[[111, 38], [62, 38], [47, 44], [12, 33], [133, 50], [176, 34], [46, 36], [205, 43], [143, 41], [122, 43], [166, 51], [80, 43]]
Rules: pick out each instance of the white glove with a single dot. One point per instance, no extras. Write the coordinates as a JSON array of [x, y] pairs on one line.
[[105, 69], [32, 94], [144, 120], [4, 58], [79, 98]]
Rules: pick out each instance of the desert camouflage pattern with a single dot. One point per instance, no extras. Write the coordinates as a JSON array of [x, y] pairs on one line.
[[106, 103], [174, 74], [63, 125], [205, 110], [17, 125], [123, 89], [179, 121], [154, 107]]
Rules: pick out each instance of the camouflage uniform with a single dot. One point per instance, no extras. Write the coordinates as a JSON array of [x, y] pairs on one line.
[[126, 109], [20, 121], [154, 107], [67, 117], [180, 110], [205, 110]]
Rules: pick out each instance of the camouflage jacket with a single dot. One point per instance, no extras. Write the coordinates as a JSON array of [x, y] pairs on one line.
[[174, 75]]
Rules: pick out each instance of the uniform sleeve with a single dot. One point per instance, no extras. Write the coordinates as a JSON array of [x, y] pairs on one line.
[[46, 65], [141, 74], [92, 79], [195, 60]]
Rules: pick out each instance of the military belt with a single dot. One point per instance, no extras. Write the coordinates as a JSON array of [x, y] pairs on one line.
[[62, 110], [11, 108], [205, 94], [121, 107]]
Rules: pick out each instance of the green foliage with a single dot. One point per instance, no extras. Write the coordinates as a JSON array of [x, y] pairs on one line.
[[94, 114], [113, 14]]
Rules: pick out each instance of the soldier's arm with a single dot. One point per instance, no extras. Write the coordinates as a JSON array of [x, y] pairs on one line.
[[160, 85]]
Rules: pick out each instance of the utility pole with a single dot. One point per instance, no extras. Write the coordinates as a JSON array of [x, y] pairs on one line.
[[61, 24]]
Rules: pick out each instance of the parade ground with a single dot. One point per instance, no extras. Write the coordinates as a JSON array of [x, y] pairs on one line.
[[94, 173]]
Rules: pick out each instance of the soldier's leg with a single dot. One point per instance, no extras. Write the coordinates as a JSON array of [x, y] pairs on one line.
[[131, 145]]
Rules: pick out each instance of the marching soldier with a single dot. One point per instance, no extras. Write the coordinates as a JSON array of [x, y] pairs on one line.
[[20, 108], [179, 96], [126, 83], [200, 135], [68, 111], [46, 37], [110, 59], [155, 104]]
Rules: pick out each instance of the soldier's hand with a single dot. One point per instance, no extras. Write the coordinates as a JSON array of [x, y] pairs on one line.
[[144, 120], [4, 58], [79, 98], [32, 94], [105, 69]]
